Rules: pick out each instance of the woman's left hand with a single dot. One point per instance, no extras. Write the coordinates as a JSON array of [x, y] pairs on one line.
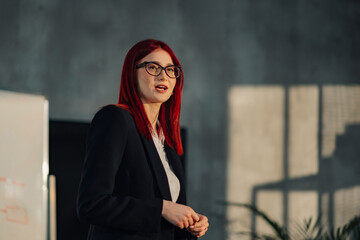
[[199, 228]]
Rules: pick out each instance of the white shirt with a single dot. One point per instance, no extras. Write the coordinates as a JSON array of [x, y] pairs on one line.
[[174, 183]]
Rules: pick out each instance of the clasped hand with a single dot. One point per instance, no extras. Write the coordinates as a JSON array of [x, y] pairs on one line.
[[184, 216]]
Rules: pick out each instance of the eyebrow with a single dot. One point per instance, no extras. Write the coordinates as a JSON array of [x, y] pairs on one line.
[[169, 64]]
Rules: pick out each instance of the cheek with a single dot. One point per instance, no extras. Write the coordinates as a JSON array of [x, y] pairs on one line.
[[172, 85], [142, 84]]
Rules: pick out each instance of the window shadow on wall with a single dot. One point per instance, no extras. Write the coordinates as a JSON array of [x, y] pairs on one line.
[[294, 153], [337, 181], [338, 172]]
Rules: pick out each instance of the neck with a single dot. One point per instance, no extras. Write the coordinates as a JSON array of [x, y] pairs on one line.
[[152, 112]]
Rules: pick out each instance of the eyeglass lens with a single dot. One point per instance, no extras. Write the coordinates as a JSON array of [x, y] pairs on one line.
[[155, 70]]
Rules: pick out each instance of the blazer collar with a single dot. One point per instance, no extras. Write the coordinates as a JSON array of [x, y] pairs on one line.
[[178, 168], [175, 163], [158, 168]]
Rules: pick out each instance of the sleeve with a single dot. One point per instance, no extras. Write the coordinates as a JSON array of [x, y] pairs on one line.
[[96, 205]]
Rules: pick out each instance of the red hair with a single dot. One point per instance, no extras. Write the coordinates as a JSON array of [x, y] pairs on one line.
[[129, 97]]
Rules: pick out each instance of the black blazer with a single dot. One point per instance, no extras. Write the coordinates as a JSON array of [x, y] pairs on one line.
[[123, 182]]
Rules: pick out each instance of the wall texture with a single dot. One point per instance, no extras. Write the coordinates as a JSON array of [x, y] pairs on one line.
[[72, 52]]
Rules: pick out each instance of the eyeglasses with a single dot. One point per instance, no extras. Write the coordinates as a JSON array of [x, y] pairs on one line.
[[155, 69]]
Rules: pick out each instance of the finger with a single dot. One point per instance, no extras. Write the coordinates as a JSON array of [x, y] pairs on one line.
[[204, 219], [201, 223], [195, 232], [198, 229], [191, 221], [195, 216], [201, 233], [180, 225], [186, 223]]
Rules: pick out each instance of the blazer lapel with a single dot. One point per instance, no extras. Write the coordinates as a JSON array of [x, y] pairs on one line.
[[158, 168], [176, 165]]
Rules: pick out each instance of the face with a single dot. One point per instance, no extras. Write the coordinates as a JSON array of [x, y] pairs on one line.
[[155, 89]]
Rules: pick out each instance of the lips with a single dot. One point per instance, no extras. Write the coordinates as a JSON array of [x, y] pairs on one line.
[[161, 87]]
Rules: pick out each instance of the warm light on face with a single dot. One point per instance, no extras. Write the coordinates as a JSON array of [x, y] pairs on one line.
[[155, 89]]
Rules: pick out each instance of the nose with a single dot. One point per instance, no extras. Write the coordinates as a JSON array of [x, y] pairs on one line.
[[163, 75]]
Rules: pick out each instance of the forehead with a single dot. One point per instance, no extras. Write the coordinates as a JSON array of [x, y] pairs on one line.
[[159, 55]]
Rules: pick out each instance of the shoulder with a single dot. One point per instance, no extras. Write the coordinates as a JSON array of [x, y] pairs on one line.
[[111, 115], [112, 112]]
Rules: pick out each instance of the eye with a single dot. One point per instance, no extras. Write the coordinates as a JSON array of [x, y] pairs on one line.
[[152, 66], [170, 69]]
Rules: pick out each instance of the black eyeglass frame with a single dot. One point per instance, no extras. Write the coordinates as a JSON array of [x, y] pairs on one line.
[[140, 65]]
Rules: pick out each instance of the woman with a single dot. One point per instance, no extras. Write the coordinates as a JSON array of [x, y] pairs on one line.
[[132, 185]]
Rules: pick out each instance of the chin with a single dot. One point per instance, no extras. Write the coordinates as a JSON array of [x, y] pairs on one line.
[[162, 100]]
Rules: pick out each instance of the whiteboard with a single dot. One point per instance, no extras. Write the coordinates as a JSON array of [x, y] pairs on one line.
[[23, 166]]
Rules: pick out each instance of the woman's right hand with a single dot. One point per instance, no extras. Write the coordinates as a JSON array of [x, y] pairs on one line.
[[179, 215]]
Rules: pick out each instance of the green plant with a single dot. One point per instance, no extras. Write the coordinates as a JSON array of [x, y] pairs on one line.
[[307, 230]]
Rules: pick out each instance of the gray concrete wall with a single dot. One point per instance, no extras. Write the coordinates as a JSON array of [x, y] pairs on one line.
[[72, 52]]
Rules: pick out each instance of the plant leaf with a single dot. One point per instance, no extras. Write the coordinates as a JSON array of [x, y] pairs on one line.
[[279, 230]]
